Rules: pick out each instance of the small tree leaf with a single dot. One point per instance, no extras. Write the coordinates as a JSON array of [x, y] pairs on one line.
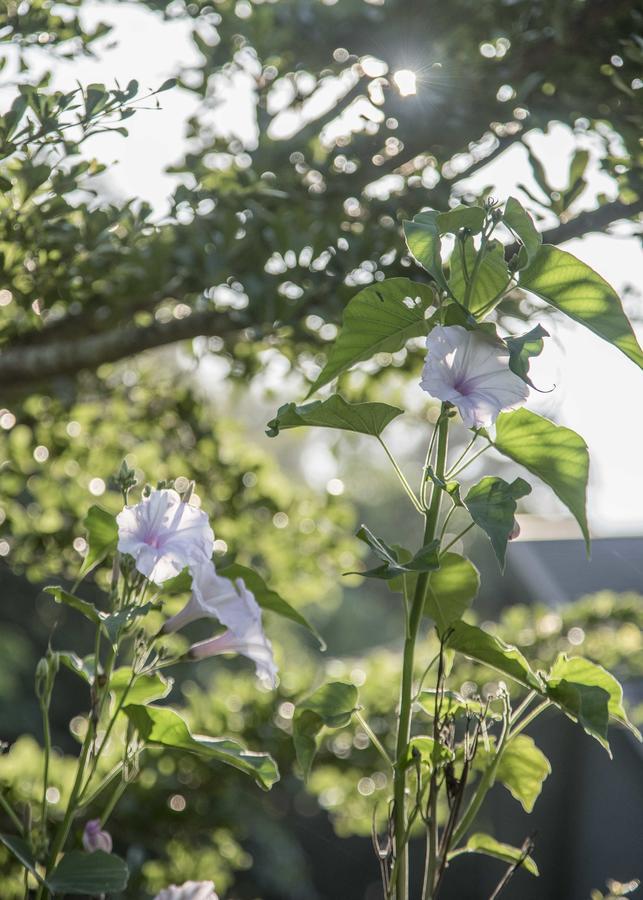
[[577, 290], [88, 874], [331, 705], [423, 240], [379, 319], [557, 455], [520, 222], [362, 418], [102, 538], [162, 726], [485, 648], [484, 843], [492, 506]]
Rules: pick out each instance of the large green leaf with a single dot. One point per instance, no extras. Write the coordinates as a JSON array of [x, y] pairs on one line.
[[588, 694], [556, 454], [362, 418], [577, 290], [102, 537], [423, 240], [267, 598], [397, 562], [485, 648], [522, 769], [162, 726], [484, 843], [379, 319], [491, 277], [492, 506], [88, 874], [331, 705], [520, 222], [451, 590]]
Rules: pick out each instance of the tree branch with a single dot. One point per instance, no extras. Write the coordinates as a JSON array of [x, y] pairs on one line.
[[595, 220], [22, 366]]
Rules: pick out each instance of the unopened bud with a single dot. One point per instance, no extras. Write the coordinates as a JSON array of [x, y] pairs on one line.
[[95, 838], [515, 531]]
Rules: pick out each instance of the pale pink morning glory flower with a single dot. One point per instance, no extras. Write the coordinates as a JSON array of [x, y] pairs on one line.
[[471, 371], [253, 644], [191, 890], [214, 596], [94, 838], [164, 535]]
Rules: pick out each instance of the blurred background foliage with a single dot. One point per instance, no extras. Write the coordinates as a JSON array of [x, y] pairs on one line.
[[165, 337]]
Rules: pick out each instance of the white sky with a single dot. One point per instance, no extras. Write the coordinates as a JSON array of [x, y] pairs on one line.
[[598, 391]]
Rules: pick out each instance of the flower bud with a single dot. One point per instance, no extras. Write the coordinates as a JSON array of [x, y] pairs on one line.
[[515, 531], [94, 838]]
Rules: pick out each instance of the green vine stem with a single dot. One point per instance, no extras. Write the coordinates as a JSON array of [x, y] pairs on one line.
[[406, 690]]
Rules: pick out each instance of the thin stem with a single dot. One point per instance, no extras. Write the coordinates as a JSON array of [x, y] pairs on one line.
[[120, 789], [406, 689], [107, 780], [457, 538], [463, 454], [518, 711], [416, 696], [529, 718], [400, 474], [47, 753], [15, 818], [484, 785], [469, 461], [432, 835], [63, 830], [374, 739], [107, 734], [446, 522], [427, 462]]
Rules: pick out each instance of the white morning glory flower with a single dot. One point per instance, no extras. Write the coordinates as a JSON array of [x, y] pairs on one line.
[[191, 890], [214, 596], [471, 371], [164, 535], [253, 644]]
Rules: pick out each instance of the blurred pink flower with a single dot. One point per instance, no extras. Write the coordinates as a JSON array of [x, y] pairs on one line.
[[253, 644], [94, 838], [216, 597], [471, 371], [191, 890], [164, 535]]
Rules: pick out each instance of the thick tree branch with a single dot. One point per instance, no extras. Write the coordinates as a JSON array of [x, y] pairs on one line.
[[594, 220], [21, 367]]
